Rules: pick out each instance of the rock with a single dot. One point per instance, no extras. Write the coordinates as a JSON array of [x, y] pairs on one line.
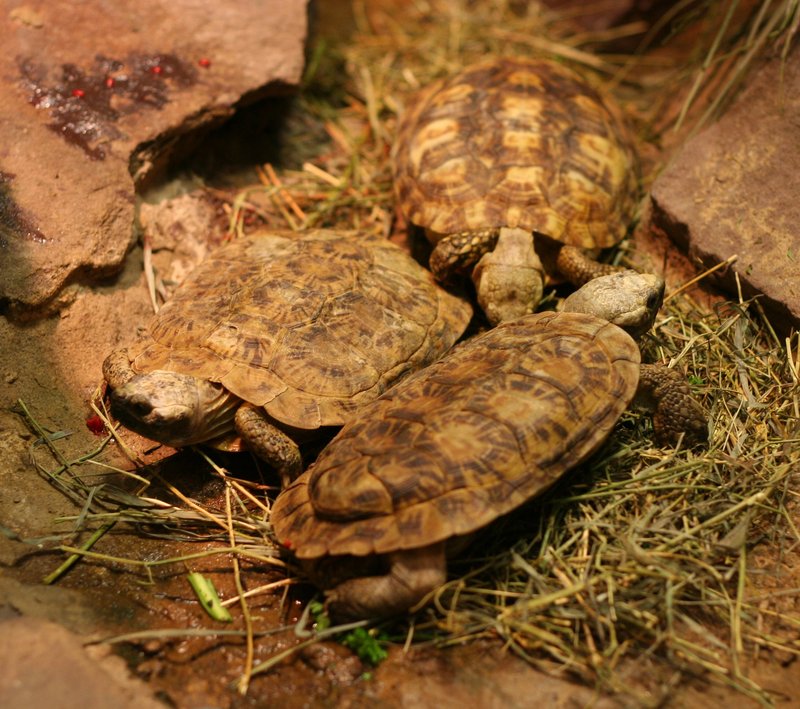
[[96, 97], [44, 665], [732, 190]]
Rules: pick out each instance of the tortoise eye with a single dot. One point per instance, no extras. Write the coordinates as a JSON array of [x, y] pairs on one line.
[[653, 301], [141, 407]]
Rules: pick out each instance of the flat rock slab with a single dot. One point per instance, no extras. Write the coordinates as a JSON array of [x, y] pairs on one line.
[[733, 190], [44, 665], [94, 97]]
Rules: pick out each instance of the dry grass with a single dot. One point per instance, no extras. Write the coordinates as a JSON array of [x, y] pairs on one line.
[[644, 551], [648, 550]]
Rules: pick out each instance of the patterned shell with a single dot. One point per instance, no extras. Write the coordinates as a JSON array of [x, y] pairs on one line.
[[516, 143], [308, 325], [476, 434]]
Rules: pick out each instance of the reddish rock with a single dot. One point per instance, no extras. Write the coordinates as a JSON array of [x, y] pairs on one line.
[[93, 99], [733, 190], [44, 665]]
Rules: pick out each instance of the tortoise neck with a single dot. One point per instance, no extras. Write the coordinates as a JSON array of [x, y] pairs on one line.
[[216, 410]]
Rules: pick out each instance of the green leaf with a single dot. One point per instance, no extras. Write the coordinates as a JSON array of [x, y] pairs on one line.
[[321, 619], [208, 597], [365, 645]]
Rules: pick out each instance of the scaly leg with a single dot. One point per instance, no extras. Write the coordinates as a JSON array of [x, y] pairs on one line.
[[578, 268], [458, 253], [117, 369], [666, 392], [268, 442]]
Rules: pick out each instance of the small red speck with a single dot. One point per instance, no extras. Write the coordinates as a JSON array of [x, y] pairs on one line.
[[204, 62], [95, 424], [110, 82], [286, 544], [157, 69], [78, 93]]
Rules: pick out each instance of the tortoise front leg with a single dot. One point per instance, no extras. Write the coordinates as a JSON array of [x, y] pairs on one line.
[[458, 253], [268, 442], [578, 268], [412, 574], [665, 392], [117, 369]]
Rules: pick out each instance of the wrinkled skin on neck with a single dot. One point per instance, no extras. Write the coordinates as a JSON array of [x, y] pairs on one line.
[[175, 409]]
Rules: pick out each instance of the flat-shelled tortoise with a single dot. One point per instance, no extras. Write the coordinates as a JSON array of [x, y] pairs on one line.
[[492, 424], [278, 334], [515, 168]]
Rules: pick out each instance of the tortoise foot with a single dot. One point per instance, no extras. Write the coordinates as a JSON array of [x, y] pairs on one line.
[[412, 575], [677, 412]]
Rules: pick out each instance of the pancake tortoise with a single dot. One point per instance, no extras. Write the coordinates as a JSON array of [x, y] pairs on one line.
[[515, 168], [492, 424], [278, 334]]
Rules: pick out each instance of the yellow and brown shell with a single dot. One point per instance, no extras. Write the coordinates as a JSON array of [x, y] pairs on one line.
[[522, 143], [308, 325], [476, 434]]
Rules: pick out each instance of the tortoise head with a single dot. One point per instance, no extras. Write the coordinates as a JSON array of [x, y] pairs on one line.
[[627, 299], [175, 409]]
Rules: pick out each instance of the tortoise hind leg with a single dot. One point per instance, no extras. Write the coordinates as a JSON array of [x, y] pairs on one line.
[[412, 574], [578, 268], [268, 442], [665, 392]]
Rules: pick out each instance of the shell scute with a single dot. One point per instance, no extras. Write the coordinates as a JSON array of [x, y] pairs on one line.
[[474, 435], [307, 325], [529, 141]]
